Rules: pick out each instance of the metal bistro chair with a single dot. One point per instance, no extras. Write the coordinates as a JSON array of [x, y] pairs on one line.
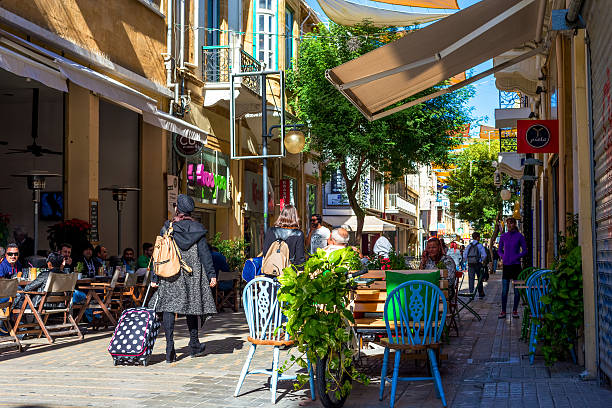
[[537, 286], [469, 296], [266, 327], [418, 315], [8, 291]]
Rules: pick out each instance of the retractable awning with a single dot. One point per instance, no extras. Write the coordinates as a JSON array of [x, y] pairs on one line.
[[371, 224], [427, 57], [381, 14], [30, 60]]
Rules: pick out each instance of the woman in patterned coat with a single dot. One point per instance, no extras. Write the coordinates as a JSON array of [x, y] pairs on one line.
[[186, 293]]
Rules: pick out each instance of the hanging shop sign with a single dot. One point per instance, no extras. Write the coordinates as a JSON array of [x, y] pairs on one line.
[[537, 136], [173, 191], [207, 177], [94, 234], [186, 147], [285, 192]]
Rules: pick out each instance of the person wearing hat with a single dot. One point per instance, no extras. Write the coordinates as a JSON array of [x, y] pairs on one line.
[[186, 293]]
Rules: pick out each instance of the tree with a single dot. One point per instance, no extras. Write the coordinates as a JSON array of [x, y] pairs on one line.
[[472, 193], [343, 138]]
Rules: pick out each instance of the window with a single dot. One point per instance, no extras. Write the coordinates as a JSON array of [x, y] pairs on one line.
[[288, 38], [266, 32], [214, 21]]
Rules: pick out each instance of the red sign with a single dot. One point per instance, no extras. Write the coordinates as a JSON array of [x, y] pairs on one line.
[[285, 191], [537, 136]]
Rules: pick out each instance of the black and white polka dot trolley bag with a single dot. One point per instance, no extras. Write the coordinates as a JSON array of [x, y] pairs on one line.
[[134, 336]]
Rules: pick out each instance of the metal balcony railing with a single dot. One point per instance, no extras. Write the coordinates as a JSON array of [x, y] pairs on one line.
[[396, 202], [219, 61]]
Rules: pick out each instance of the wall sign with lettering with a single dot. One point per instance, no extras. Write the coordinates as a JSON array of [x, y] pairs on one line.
[[94, 233], [207, 175], [537, 136]]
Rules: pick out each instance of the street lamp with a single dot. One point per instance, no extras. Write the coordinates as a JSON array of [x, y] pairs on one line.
[[36, 183], [295, 141], [119, 196]]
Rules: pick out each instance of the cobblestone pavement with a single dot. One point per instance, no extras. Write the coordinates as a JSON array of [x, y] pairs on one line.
[[487, 366]]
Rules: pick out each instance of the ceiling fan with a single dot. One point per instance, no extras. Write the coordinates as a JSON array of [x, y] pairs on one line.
[[34, 148]]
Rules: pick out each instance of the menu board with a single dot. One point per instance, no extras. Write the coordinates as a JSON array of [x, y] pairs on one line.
[[94, 235]]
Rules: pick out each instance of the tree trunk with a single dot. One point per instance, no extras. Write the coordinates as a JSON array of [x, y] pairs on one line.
[[495, 233], [352, 188]]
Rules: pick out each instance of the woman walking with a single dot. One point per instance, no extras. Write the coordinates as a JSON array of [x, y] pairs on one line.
[[186, 293], [287, 228]]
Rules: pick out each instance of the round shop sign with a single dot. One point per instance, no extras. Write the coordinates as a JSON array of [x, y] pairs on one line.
[[537, 136], [185, 146]]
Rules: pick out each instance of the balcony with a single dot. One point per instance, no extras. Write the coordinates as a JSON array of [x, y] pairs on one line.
[[395, 204], [218, 63]]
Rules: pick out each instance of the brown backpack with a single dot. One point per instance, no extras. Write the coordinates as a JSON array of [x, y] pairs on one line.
[[167, 260], [276, 259]]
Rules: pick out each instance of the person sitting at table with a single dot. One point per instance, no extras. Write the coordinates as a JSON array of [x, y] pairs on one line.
[[55, 263], [433, 255], [10, 265], [66, 252], [338, 239], [128, 260], [2, 252], [220, 264], [101, 254], [144, 259], [90, 263]]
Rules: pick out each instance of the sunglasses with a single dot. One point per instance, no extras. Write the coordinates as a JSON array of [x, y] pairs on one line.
[[12, 254]]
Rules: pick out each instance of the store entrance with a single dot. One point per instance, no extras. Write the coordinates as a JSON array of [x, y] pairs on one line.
[[206, 218]]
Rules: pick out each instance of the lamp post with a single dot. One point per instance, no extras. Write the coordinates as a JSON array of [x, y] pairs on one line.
[[36, 182], [294, 141], [119, 196]]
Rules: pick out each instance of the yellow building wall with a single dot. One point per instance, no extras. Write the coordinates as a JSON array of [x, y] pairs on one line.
[[125, 31]]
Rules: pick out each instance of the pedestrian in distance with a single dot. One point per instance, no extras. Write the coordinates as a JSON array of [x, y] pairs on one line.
[[475, 255], [512, 247], [318, 234], [455, 254], [187, 293]]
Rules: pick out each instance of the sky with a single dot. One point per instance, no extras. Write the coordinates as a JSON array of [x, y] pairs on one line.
[[486, 99]]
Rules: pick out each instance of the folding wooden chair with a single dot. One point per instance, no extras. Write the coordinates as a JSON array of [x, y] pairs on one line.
[[55, 299], [8, 291], [124, 295], [141, 288], [228, 298]]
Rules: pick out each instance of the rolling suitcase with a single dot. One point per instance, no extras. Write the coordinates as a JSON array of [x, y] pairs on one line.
[[135, 335]]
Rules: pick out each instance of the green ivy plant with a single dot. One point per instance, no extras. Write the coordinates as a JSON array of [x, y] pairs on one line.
[[562, 323], [316, 306]]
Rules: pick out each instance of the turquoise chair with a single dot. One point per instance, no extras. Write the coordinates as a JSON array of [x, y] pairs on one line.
[[538, 286], [416, 324], [266, 327]]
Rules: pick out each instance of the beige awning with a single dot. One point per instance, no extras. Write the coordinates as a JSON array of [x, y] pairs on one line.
[[371, 224], [433, 54]]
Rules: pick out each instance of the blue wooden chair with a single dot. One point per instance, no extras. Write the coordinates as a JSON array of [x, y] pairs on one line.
[[266, 327], [537, 286], [417, 310]]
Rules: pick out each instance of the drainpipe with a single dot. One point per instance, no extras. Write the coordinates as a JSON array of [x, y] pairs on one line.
[[561, 117], [573, 11], [182, 36], [168, 56]]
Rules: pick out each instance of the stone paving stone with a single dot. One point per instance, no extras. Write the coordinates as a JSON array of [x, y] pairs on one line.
[[486, 368]]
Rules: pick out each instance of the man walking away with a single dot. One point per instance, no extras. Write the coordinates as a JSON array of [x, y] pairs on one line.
[[474, 255], [318, 235], [512, 247]]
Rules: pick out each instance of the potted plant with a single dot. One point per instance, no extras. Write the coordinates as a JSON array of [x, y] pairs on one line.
[[74, 232], [232, 249]]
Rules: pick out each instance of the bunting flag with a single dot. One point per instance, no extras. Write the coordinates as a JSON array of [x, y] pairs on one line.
[[354, 12]]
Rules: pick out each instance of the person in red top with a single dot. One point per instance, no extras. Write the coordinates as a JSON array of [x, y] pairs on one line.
[[10, 264]]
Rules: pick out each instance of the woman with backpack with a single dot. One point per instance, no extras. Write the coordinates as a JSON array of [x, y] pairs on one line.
[[286, 229], [187, 293]]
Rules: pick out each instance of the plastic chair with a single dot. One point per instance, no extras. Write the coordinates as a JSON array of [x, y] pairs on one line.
[[417, 324], [266, 327]]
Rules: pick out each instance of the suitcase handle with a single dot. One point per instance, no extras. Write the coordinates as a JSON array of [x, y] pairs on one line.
[[144, 301]]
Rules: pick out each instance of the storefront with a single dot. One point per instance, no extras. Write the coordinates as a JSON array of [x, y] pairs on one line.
[[207, 176], [253, 210]]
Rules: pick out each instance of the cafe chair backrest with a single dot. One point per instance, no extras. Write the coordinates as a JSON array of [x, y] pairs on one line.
[[61, 282], [537, 286], [130, 280], [8, 288], [263, 310], [115, 277], [414, 309]]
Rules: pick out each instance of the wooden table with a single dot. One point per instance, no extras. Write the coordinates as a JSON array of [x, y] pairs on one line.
[[92, 294]]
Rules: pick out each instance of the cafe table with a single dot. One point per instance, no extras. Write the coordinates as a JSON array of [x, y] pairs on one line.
[[92, 288]]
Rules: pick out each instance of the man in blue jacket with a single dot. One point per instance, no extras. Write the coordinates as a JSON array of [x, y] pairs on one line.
[[10, 264]]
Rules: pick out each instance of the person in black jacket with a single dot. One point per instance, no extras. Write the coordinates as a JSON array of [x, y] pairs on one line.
[[187, 293], [287, 228], [55, 263]]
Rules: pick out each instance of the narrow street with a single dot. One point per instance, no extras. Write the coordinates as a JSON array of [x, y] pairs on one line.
[[487, 367]]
